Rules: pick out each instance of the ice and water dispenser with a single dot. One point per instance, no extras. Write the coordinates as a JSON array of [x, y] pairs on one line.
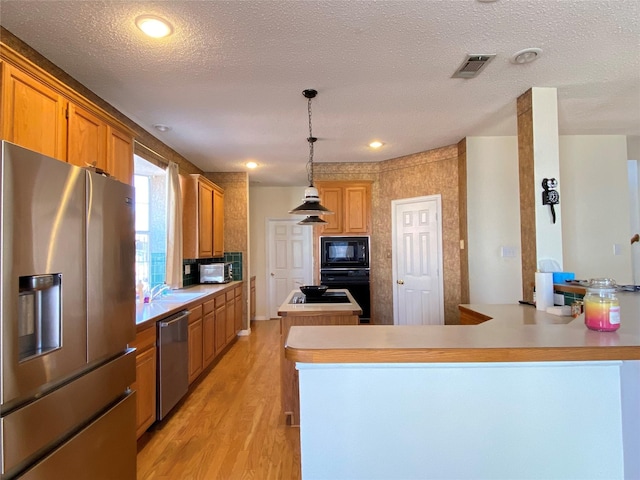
[[39, 315]]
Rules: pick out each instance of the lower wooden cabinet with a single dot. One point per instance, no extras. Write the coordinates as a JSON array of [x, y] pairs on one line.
[[221, 322], [238, 312], [145, 384], [208, 333], [195, 343], [213, 324], [231, 316]]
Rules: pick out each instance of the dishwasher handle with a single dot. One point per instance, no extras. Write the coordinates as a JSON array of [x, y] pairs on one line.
[[176, 318]]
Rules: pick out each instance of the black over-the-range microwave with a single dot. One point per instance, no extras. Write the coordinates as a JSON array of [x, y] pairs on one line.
[[344, 252]]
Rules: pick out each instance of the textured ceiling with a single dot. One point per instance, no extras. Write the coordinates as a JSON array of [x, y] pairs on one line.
[[229, 80]]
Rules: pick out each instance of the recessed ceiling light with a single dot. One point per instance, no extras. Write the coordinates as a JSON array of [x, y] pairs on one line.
[[251, 165], [162, 128], [376, 144], [526, 56], [155, 27]]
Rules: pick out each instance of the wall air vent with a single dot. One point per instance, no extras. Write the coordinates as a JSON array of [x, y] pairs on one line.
[[472, 66]]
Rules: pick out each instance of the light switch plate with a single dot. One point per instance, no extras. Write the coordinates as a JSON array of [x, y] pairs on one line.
[[187, 269]]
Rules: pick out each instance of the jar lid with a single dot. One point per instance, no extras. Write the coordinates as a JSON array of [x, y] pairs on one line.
[[602, 285]]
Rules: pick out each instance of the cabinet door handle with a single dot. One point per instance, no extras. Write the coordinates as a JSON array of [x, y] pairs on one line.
[[400, 282]]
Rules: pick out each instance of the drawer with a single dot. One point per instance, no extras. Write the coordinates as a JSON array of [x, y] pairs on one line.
[[144, 339], [195, 313], [238, 291], [208, 307], [230, 296], [220, 300]]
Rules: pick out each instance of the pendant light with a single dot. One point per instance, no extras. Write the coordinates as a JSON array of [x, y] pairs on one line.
[[311, 205]]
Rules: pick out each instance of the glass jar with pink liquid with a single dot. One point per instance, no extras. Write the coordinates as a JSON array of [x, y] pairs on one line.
[[601, 305]]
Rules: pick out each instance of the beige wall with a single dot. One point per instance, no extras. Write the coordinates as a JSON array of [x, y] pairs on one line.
[[236, 223], [594, 197], [493, 220], [267, 203], [426, 173]]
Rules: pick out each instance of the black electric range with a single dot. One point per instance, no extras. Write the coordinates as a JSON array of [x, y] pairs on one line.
[[328, 297]]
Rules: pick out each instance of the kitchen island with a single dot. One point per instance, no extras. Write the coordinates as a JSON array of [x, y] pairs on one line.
[[522, 395], [307, 314]]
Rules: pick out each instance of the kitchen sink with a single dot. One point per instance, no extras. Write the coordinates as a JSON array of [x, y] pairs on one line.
[[178, 297]]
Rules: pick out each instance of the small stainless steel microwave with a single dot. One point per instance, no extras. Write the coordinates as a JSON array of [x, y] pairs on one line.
[[216, 273]]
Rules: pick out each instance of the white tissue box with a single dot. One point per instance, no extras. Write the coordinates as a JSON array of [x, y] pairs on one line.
[[563, 311]]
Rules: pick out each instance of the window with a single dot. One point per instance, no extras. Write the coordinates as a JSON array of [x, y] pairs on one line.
[[151, 223]]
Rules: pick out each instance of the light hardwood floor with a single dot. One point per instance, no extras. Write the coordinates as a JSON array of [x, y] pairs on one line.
[[230, 426]]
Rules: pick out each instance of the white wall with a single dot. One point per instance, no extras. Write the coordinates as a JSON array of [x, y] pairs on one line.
[[633, 154], [594, 195], [633, 168], [493, 212], [546, 165], [468, 421], [266, 202], [594, 198]]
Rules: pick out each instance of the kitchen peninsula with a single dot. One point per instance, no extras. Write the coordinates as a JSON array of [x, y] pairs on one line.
[[518, 396], [306, 314]]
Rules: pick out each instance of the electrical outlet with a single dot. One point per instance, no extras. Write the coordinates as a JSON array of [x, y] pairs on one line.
[[187, 269], [617, 249]]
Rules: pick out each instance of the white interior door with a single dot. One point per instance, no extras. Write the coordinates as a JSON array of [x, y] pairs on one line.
[[417, 261], [289, 260]]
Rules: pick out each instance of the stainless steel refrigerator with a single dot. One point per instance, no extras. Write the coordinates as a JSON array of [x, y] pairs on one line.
[[67, 298]]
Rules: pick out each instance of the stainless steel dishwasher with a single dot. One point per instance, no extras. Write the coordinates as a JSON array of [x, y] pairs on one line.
[[173, 362]]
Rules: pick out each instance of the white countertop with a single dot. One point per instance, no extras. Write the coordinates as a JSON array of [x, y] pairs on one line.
[[148, 313], [516, 333]]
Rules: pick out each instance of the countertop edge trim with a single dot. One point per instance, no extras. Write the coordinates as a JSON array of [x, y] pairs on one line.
[[461, 355]]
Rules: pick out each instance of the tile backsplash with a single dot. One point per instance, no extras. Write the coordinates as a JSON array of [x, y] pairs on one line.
[[193, 277]]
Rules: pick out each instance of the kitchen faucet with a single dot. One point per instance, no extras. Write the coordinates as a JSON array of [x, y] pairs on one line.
[[157, 291]]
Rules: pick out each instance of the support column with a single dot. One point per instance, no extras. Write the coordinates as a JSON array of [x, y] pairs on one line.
[[538, 158]]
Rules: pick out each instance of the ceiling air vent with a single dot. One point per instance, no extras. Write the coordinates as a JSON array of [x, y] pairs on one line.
[[472, 66]]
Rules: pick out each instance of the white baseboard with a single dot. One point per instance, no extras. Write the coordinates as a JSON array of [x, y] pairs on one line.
[[244, 333]]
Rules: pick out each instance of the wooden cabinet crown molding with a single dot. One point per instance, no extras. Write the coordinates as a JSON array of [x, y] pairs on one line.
[[15, 59]]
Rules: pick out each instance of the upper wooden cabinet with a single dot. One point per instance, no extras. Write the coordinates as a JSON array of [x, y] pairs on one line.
[[119, 153], [205, 219], [87, 140], [351, 204], [33, 115], [44, 115], [218, 222], [202, 218]]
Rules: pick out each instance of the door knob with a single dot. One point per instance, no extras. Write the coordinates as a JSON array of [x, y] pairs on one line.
[[400, 282], [273, 274]]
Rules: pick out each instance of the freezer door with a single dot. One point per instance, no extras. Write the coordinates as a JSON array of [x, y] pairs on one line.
[[42, 288], [32, 431], [105, 450], [110, 266]]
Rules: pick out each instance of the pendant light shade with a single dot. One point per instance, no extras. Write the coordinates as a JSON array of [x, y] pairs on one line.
[[311, 205], [312, 220]]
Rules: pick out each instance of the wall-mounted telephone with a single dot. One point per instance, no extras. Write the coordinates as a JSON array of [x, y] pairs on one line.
[[550, 195]]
